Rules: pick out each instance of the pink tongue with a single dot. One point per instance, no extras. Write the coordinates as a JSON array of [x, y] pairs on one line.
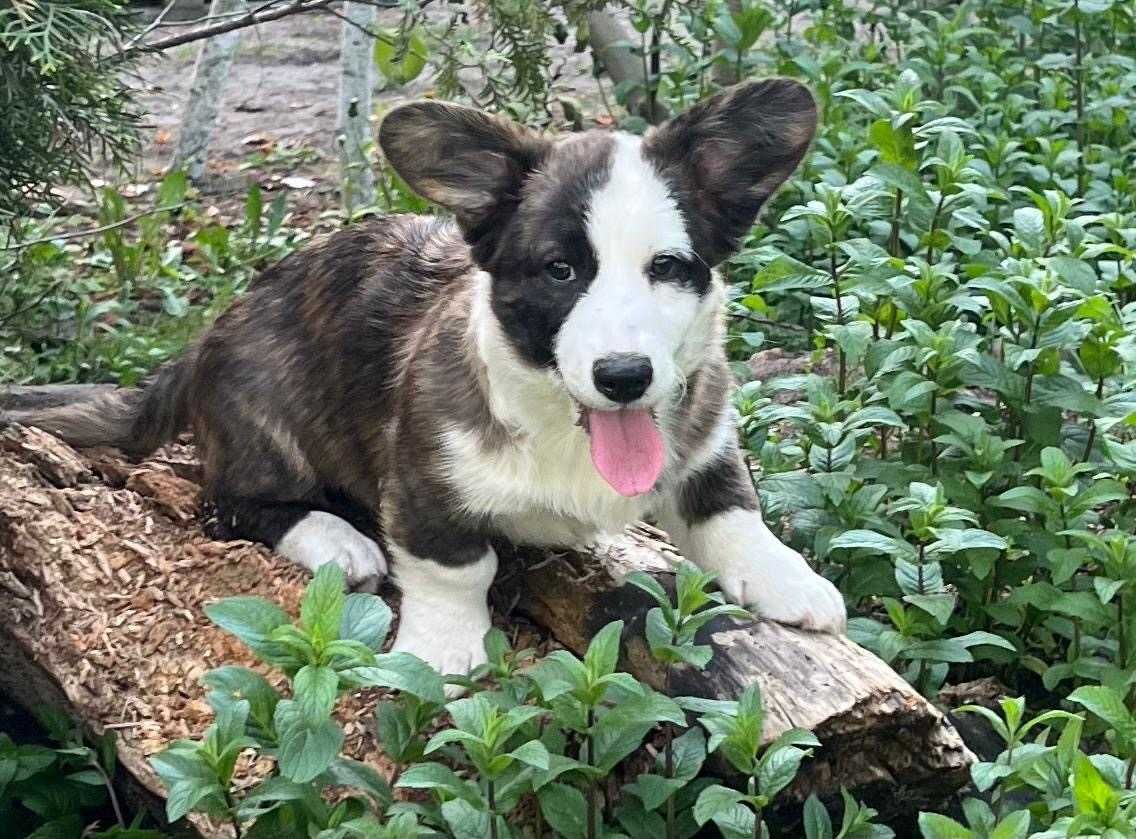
[[627, 449]]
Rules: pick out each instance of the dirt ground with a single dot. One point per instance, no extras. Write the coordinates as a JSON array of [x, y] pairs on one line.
[[281, 93]]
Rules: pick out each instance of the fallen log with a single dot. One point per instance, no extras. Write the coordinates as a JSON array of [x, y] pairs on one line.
[[880, 737], [105, 572]]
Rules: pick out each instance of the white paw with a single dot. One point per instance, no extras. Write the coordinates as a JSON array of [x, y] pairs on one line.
[[319, 538], [780, 586], [444, 614], [452, 641]]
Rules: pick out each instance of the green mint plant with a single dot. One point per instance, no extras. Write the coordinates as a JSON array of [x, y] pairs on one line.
[[736, 731], [856, 821], [333, 647], [65, 789], [670, 631]]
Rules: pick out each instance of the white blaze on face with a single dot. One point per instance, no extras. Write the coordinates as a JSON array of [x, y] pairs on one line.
[[631, 219]]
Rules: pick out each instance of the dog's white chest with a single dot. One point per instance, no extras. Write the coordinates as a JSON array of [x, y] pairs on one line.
[[539, 488]]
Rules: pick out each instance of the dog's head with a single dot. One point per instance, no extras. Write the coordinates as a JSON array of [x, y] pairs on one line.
[[600, 245]]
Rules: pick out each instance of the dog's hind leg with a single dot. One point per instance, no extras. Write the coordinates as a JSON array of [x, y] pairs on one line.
[[262, 488], [304, 534]]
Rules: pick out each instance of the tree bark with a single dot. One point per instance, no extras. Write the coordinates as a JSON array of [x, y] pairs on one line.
[[609, 42], [209, 74], [106, 571], [357, 180]]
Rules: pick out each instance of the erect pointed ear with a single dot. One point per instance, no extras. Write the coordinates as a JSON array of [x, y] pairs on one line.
[[470, 163], [726, 156]]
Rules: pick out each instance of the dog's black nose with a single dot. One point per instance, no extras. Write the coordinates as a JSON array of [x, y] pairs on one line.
[[623, 377]]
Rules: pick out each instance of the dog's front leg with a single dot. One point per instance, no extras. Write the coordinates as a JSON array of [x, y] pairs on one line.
[[444, 613], [715, 520]]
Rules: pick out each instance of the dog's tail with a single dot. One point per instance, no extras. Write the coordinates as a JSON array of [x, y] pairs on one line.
[[136, 420]]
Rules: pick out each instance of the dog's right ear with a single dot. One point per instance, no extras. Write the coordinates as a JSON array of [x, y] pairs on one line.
[[470, 163]]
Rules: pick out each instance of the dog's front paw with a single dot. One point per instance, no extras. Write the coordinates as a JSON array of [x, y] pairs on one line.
[[319, 538], [782, 588], [451, 639]]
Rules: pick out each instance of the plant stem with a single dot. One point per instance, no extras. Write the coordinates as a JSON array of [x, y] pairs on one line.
[[233, 820], [1129, 773], [491, 795], [1092, 425], [1121, 630], [1079, 84], [111, 794], [842, 379], [934, 226], [668, 753], [893, 239], [591, 816]]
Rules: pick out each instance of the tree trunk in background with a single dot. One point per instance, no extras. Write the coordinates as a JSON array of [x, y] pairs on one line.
[[353, 128], [725, 73], [609, 41], [209, 74]]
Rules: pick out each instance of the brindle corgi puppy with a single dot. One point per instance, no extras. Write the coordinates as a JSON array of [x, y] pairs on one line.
[[546, 365]]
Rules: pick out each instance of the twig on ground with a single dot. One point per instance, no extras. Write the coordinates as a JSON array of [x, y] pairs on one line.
[[93, 231]]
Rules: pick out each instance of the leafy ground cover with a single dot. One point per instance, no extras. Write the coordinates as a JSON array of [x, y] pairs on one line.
[[957, 260]]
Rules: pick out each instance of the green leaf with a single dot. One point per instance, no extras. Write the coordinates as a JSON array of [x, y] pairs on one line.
[[817, 823], [1092, 795], [189, 781], [872, 541], [643, 580], [653, 790], [939, 606], [603, 651], [1014, 826], [564, 808], [433, 776], [399, 671], [1029, 228], [953, 541], [307, 748], [314, 689], [401, 56], [936, 826], [366, 619], [465, 820], [533, 753], [688, 753], [63, 827], [1107, 704], [346, 772], [899, 177], [778, 768], [620, 730], [323, 603], [895, 145], [714, 800], [251, 619], [232, 684], [988, 639]]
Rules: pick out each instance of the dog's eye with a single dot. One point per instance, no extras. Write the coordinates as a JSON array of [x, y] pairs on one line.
[[664, 266], [560, 272]]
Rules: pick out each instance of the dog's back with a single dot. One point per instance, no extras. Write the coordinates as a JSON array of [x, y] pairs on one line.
[[295, 382]]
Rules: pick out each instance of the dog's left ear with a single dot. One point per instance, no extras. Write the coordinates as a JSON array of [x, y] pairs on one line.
[[728, 154]]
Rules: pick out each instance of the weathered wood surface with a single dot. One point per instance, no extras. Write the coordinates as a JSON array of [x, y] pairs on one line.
[[105, 572], [879, 736]]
